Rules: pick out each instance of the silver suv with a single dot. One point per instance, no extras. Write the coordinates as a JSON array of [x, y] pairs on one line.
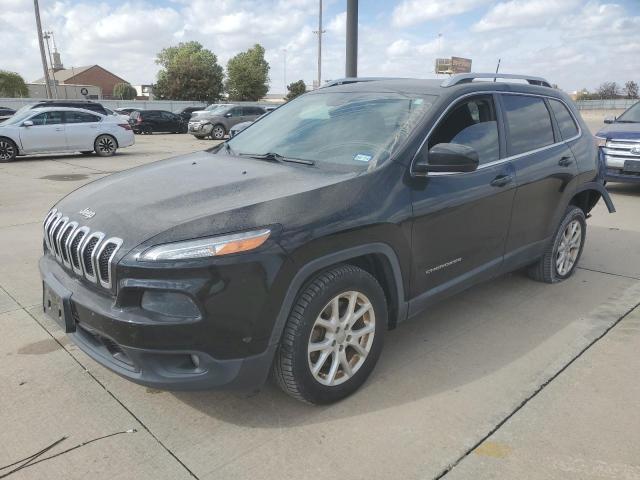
[[216, 120]]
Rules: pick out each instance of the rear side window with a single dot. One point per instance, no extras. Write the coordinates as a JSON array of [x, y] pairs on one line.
[[80, 117], [471, 123], [135, 114], [528, 123], [565, 121]]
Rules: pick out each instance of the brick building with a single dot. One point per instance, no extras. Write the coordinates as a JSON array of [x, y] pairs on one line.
[[90, 75]]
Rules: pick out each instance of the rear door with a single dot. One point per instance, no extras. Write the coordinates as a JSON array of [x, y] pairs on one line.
[[81, 129], [545, 168], [47, 134], [168, 122], [461, 220]]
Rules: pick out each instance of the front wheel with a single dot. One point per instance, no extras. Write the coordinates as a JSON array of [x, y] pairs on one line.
[[333, 337], [8, 150], [564, 250], [105, 145], [218, 132]]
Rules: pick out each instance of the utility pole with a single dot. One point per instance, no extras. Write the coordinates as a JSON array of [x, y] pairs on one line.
[[351, 67], [43, 57], [320, 31], [47, 36]]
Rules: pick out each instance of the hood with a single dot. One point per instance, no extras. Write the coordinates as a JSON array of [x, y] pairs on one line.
[[191, 196], [620, 130]]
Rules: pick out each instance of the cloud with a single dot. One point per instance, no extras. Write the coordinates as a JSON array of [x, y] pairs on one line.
[[412, 12], [524, 13]]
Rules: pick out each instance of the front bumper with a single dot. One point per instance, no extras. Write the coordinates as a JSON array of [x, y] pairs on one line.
[[614, 175], [152, 353], [199, 129]]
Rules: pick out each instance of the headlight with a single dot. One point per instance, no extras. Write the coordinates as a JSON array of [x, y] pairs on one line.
[[207, 247], [600, 141]]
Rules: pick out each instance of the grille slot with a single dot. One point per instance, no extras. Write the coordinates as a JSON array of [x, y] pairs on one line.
[[87, 253]]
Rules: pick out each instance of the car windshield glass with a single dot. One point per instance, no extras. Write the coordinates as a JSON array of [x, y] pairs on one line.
[[356, 129], [18, 117], [216, 108], [631, 115]]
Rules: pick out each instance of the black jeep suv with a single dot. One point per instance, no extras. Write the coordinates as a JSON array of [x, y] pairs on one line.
[[293, 246]]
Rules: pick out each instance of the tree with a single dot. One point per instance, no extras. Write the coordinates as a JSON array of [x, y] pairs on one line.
[[631, 89], [248, 75], [296, 89], [12, 85], [189, 72], [124, 91], [608, 90]]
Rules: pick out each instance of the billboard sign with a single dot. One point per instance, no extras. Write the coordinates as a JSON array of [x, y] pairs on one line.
[[460, 65]]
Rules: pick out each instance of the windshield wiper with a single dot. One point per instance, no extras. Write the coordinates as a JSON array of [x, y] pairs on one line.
[[626, 121], [272, 156]]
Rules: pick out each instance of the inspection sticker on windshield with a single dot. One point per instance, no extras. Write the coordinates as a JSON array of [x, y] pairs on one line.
[[361, 157]]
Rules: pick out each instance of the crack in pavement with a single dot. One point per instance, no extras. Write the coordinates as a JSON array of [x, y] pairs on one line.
[[522, 404], [120, 402], [608, 273]]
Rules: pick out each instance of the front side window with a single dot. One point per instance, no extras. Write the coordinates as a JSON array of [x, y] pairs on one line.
[[47, 118], [472, 123], [528, 123], [80, 117], [566, 123], [357, 130]]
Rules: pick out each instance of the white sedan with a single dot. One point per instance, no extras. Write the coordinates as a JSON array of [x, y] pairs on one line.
[[60, 129]]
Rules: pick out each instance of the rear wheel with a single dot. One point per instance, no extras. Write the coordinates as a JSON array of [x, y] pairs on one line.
[[8, 150], [218, 132], [333, 337], [564, 250], [147, 130], [105, 145]]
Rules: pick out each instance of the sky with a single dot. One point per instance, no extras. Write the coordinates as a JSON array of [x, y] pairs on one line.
[[572, 43]]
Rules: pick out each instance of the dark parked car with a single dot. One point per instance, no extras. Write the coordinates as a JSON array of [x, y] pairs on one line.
[[86, 104], [619, 145], [127, 110], [186, 112], [6, 112], [294, 246], [149, 121]]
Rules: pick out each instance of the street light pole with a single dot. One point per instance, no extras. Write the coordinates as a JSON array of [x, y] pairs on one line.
[[43, 57], [47, 35], [351, 67], [319, 32]]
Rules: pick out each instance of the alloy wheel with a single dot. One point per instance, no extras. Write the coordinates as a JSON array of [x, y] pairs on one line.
[[341, 338], [218, 132], [7, 150], [106, 145], [569, 247]]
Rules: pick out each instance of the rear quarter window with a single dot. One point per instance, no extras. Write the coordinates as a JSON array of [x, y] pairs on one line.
[[528, 122], [564, 119]]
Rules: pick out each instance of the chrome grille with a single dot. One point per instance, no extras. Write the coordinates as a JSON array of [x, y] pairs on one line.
[[616, 151], [88, 254]]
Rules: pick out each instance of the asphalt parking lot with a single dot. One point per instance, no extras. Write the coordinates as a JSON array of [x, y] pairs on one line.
[[511, 379]]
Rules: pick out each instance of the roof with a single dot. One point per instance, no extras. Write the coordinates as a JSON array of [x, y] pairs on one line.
[[63, 75], [64, 109]]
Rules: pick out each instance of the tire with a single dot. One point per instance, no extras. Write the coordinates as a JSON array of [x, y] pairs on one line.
[[218, 132], [105, 146], [567, 244], [147, 130], [344, 285], [8, 150]]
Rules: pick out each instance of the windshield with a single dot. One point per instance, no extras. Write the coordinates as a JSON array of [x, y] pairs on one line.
[[216, 107], [19, 116], [632, 115], [360, 129]]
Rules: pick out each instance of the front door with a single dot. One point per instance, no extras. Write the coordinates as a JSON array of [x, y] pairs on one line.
[[461, 220], [45, 135]]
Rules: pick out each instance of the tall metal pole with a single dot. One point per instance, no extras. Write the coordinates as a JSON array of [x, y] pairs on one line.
[[351, 67], [47, 35], [320, 32], [42, 54]]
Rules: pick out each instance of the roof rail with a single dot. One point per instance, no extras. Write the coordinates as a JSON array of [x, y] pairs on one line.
[[469, 77], [346, 80]]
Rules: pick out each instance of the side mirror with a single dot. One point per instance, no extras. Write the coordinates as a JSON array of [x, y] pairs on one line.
[[609, 119], [228, 115], [27, 123], [447, 157]]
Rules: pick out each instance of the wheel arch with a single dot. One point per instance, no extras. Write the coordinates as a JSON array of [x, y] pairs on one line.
[[587, 196], [17, 144], [107, 134], [379, 259]]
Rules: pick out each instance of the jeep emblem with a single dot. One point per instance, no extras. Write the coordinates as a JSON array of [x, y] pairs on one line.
[[87, 213]]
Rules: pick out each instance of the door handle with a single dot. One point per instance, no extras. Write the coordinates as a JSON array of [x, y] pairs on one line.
[[501, 180], [565, 161]]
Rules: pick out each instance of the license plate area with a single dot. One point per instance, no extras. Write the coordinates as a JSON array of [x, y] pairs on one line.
[[56, 303], [632, 166]]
